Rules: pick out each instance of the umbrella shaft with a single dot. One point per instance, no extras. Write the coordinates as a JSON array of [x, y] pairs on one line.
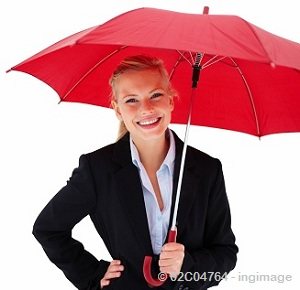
[[187, 130]]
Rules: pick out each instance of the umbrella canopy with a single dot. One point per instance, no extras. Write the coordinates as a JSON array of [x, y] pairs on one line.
[[250, 78]]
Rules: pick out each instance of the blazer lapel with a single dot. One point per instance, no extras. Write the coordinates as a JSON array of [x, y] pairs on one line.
[[130, 193]]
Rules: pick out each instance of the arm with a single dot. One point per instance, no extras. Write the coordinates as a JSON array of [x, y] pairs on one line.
[[54, 225]]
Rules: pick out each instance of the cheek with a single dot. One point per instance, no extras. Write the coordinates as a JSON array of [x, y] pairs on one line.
[[168, 106], [127, 112]]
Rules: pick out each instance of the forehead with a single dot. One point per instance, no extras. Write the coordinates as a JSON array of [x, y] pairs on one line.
[[144, 79]]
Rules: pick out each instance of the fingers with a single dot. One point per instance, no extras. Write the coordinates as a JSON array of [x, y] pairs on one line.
[[171, 258], [172, 247], [113, 271], [172, 251]]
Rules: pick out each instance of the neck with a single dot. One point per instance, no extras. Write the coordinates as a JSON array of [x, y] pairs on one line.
[[153, 152]]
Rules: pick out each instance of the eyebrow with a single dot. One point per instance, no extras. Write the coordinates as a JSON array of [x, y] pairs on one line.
[[135, 95], [129, 95], [156, 90]]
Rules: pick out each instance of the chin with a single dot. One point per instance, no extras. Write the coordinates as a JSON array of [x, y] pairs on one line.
[[148, 136]]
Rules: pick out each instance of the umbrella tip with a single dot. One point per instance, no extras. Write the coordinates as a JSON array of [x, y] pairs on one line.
[[205, 10]]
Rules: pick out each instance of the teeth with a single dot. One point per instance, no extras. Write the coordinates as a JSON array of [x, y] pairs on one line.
[[148, 122]]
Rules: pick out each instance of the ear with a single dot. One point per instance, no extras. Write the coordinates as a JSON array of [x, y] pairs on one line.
[[172, 103], [116, 108]]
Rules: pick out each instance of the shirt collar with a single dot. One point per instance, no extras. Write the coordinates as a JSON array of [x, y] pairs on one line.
[[169, 159]]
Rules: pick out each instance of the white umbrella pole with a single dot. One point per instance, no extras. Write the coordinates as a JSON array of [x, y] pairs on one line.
[[195, 78]]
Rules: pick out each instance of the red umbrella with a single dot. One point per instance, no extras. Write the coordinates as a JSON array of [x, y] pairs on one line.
[[250, 78]]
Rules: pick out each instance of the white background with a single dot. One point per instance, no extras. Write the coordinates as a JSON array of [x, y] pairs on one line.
[[41, 142]]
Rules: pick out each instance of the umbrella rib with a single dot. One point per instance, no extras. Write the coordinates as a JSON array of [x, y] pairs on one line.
[[90, 70], [212, 61], [175, 65], [192, 58], [249, 94], [183, 56]]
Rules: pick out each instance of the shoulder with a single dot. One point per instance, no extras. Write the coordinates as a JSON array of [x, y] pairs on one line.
[[194, 155], [101, 153], [201, 158], [100, 157], [111, 155]]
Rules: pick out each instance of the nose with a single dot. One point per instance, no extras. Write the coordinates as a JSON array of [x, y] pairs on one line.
[[146, 107]]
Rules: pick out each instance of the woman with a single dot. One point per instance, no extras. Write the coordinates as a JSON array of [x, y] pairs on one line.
[[128, 188]]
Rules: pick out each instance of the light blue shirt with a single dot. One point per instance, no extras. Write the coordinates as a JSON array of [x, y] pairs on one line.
[[158, 220]]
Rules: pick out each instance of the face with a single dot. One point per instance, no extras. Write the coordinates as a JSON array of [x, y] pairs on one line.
[[143, 103]]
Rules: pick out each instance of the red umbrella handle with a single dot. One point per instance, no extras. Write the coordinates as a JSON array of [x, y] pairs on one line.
[[154, 282]]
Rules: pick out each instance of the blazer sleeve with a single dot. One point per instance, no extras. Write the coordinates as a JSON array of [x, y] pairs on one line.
[[53, 229], [219, 254]]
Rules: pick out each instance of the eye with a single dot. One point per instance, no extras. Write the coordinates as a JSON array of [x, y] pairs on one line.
[[130, 100], [156, 95]]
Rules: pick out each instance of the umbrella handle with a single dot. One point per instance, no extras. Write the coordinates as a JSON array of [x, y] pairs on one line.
[[154, 282]]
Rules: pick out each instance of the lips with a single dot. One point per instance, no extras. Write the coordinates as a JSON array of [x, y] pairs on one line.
[[149, 122]]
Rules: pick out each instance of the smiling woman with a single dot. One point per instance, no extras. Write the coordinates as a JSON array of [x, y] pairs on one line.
[[128, 189], [144, 85], [143, 104]]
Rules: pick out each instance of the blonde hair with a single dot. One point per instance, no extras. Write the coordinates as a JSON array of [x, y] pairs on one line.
[[137, 63]]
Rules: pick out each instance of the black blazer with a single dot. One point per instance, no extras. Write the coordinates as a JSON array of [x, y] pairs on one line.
[[106, 186]]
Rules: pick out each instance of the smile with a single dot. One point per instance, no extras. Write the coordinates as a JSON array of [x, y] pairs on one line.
[[149, 122]]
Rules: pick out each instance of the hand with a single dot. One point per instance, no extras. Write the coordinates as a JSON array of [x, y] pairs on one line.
[[113, 271], [171, 259]]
